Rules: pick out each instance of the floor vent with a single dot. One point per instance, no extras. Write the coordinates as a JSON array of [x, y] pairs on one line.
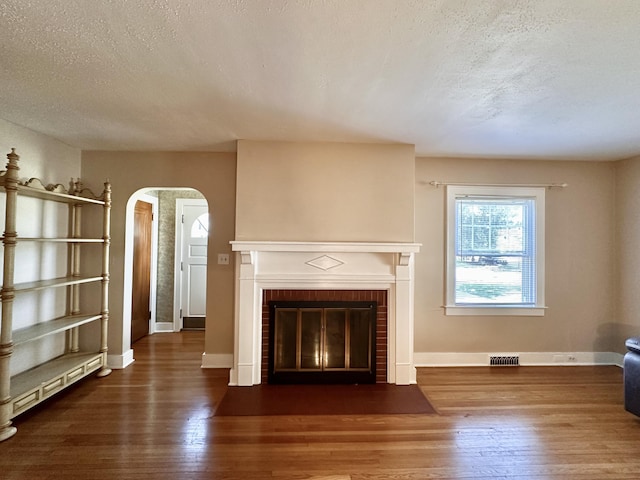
[[504, 360]]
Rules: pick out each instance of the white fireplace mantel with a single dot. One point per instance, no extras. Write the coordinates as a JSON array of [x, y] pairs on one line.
[[321, 265]]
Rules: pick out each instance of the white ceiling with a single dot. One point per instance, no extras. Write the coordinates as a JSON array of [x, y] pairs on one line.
[[556, 79]]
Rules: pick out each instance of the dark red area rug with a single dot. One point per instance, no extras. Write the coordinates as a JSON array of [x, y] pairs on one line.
[[372, 399]]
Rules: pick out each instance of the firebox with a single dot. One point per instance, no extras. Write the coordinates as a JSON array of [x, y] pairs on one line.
[[322, 342]]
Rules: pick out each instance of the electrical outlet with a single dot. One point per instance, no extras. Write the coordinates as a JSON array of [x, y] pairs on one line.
[[223, 259]]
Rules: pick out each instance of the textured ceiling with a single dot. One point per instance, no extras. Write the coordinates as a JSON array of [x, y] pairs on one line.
[[515, 78]]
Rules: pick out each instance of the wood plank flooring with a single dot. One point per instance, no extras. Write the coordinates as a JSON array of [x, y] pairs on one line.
[[154, 420]]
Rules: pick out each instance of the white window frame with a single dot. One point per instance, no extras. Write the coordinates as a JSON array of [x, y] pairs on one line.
[[538, 195]]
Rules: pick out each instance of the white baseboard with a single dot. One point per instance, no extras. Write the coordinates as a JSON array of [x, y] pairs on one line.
[[119, 362], [477, 359], [217, 360], [163, 327]]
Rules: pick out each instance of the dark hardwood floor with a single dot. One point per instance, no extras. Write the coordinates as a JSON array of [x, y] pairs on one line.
[[155, 420]]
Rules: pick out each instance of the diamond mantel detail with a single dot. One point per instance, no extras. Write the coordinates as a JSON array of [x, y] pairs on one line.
[[325, 262]]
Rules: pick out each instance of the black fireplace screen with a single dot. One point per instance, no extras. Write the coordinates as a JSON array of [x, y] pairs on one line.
[[322, 342]]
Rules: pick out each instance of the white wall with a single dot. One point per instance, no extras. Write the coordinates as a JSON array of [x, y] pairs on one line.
[[40, 155]]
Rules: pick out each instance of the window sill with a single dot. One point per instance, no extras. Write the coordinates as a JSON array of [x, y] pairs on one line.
[[490, 310]]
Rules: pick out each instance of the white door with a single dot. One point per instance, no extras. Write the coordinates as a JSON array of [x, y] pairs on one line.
[[194, 232]]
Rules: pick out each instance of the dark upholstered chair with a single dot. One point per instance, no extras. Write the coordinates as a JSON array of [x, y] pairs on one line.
[[632, 376]]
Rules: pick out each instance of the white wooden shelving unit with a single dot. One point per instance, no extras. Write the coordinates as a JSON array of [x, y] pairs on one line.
[[28, 388]]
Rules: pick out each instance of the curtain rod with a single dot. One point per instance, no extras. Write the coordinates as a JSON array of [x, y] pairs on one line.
[[545, 185]]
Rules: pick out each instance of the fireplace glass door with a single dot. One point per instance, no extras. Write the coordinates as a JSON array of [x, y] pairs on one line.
[[328, 342]]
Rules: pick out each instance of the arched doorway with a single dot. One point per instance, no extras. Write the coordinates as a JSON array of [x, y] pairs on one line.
[[163, 271]]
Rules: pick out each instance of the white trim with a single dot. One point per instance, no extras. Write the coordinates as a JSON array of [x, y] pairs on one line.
[[481, 359], [128, 262], [342, 247], [478, 310], [118, 362], [153, 279], [177, 273], [217, 360], [164, 327], [615, 358]]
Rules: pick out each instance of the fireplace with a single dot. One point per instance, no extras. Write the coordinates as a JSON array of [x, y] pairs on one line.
[[374, 300], [324, 272], [322, 342]]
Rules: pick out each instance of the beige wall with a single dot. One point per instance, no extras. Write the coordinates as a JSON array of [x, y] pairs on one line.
[[592, 232], [325, 192], [213, 174], [579, 260], [627, 285]]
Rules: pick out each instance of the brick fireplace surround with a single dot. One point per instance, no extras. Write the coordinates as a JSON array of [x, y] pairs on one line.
[[324, 271]]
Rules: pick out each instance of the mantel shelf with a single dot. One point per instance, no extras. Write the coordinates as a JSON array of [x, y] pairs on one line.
[[57, 325], [362, 247]]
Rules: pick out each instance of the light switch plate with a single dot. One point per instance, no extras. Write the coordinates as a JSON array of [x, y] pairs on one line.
[[223, 259]]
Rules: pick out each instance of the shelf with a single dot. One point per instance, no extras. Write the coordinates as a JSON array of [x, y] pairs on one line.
[[59, 240], [55, 196], [43, 329], [54, 282], [51, 372], [33, 386]]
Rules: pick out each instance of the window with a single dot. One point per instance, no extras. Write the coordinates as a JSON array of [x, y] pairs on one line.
[[495, 251], [200, 228]]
